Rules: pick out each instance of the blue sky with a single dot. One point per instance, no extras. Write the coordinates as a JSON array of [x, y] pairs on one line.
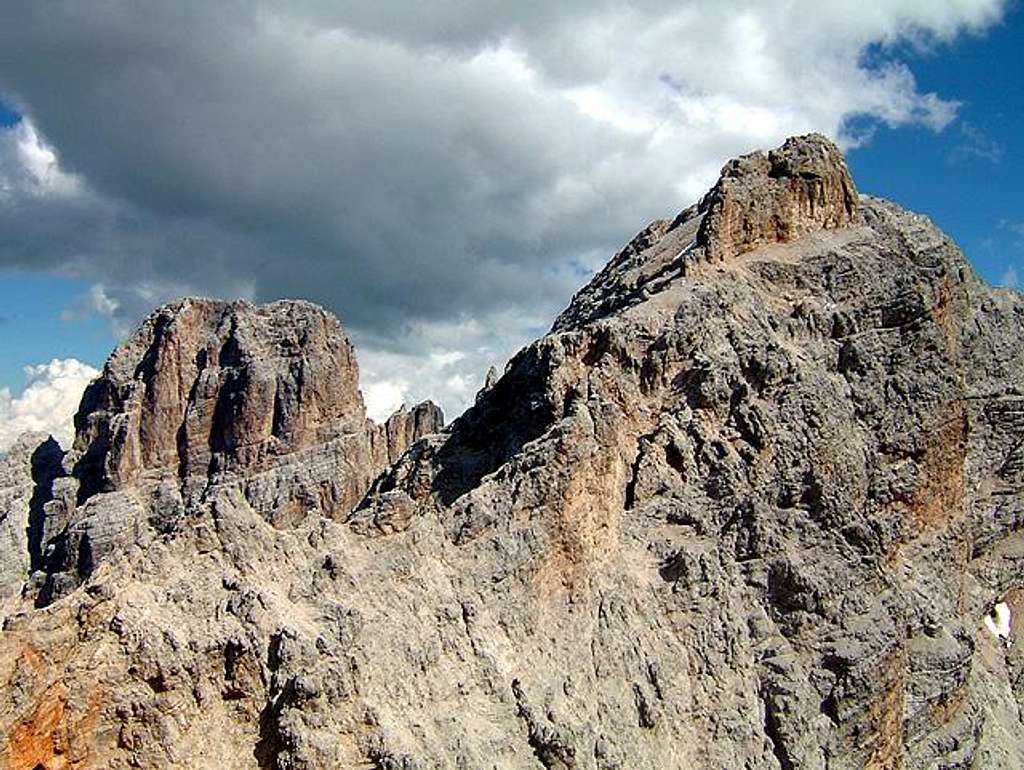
[[38, 318], [968, 178], [434, 178], [39, 321]]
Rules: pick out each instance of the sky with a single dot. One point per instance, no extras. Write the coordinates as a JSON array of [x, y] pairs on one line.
[[443, 175]]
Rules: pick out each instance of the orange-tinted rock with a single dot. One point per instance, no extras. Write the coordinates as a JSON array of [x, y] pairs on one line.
[[206, 386], [775, 197], [747, 514]]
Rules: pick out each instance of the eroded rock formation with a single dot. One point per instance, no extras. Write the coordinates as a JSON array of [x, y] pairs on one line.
[[775, 197], [749, 504], [207, 389], [260, 399]]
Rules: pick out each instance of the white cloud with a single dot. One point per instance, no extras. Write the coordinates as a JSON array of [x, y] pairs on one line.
[[102, 303], [29, 166], [382, 398], [48, 403], [444, 361], [1009, 278]]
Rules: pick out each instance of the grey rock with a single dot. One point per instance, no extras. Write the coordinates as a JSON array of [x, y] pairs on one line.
[[747, 505], [208, 395], [407, 426], [207, 388], [27, 474], [776, 197]]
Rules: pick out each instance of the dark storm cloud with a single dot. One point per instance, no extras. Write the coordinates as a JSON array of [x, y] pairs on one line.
[[431, 171], [354, 164]]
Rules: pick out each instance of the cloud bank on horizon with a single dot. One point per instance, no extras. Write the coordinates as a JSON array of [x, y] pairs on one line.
[[48, 402], [441, 175]]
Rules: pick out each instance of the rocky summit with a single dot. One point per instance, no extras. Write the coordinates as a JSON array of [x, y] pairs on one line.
[[756, 501]]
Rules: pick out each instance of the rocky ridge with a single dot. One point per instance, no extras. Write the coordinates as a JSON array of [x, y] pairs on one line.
[[210, 395], [749, 504]]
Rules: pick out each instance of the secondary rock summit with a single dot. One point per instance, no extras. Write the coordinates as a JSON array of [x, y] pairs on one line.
[[208, 391], [754, 502], [775, 197], [211, 395]]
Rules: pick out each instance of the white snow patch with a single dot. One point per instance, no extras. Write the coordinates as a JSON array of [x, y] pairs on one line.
[[998, 620], [687, 249]]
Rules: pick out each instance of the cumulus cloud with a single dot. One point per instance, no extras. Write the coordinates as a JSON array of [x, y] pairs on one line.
[[29, 168], [383, 397], [48, 403], [1009, 278], [442, 175]]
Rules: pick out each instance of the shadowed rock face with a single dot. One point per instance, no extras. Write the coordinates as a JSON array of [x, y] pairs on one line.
[[747, 505]]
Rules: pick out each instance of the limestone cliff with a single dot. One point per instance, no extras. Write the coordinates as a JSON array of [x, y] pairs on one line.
[[209, 395], [750, 504], [775, 197]]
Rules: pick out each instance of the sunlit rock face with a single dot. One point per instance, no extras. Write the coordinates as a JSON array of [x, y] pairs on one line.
[[205, 387], [208, 391], [261, 400], [776, 197], [755, 502]]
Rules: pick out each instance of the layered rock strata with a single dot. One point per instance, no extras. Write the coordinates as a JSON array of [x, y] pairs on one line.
[[775, 197], [207, 390]]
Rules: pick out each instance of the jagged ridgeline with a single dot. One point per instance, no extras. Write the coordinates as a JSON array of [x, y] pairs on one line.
[[754, 502]]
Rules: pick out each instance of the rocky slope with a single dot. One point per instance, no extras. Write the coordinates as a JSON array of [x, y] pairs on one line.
[[208, 396], [749, 505]]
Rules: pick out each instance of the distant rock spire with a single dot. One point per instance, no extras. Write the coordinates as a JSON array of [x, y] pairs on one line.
[[207, 390]]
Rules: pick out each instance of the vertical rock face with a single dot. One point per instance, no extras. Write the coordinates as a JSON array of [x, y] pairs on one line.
[[757, 501], [406, 426], [210, 392], [775, 197], [27, 475], [260, 399], [761, 200], [205, 387]]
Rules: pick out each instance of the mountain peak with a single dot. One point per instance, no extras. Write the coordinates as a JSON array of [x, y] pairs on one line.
[[756, 502], [760, 199], [776, 197]]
